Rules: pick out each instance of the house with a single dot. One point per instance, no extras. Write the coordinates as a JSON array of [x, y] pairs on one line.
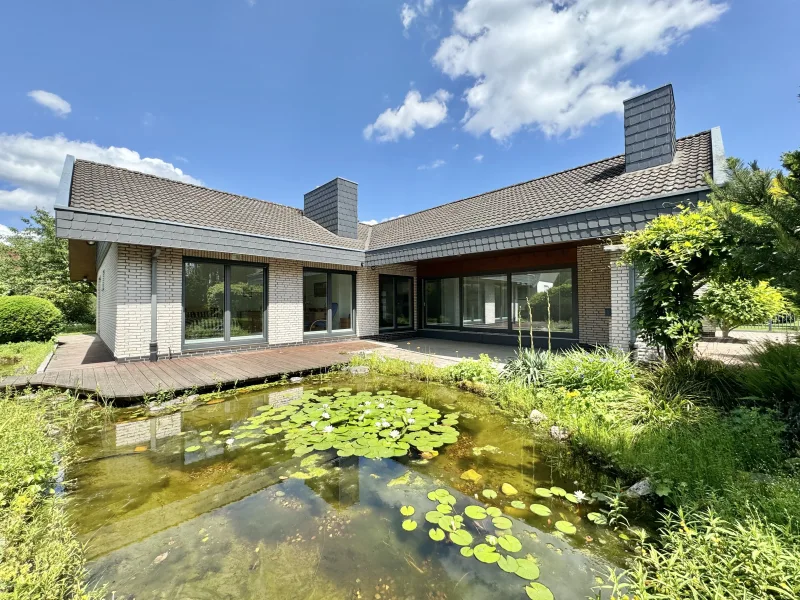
[[183, 269]]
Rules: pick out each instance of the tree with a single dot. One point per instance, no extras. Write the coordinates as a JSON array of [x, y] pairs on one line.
[[759, 211], [675, 255], [33, 261], [736, 303]]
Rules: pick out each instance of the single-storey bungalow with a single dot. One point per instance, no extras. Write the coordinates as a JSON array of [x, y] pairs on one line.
[[182, 269]]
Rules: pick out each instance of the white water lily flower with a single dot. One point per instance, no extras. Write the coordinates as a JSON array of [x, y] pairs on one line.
[[326, 415], [378, 424], [313, 423], [386, 423], [328, 429], [409, 410], [229, 441], [580, 496], [366, 412], [411, 421], [381, 405], [324, 406], [367, 403], [394, 433]]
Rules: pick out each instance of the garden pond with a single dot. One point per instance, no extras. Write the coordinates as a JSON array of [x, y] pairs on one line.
[[344, 488]]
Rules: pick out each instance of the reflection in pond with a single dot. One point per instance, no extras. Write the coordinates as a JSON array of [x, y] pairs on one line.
[[195, 516]]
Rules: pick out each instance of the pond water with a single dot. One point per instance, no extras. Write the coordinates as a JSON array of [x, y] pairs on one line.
[[210, 502]]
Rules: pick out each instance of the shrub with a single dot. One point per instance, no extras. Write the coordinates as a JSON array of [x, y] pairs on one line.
[[737, 303], [528, 366], [757, 437], [601, 369], [699, 381], [702, 556], [775, 381], [28, 319], [475, 371]]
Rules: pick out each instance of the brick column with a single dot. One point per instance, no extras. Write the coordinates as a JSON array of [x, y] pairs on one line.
[[621, 292]]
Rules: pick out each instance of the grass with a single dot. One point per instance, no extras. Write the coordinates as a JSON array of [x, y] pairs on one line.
[[22, 358], [41, 558], [75, 328], [720, 459]]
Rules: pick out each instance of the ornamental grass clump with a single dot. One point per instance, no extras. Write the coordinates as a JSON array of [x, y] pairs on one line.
[[600, 369]]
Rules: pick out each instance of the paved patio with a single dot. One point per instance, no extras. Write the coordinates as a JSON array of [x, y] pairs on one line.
[[72, 368]]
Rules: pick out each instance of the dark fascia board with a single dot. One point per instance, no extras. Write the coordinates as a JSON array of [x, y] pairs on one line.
[[98, 226], [595, 223]]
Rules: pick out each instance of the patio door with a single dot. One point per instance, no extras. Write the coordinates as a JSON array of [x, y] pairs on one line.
[[395, 302], [223, 302]]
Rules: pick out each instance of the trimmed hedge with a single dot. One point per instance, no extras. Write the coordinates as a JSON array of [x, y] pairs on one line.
[[28, 319]]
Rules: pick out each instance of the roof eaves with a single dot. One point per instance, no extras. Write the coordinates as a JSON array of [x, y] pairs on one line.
[[544, 218]]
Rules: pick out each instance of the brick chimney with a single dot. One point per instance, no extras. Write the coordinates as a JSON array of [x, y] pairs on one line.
[[334, 205], [650, 129]]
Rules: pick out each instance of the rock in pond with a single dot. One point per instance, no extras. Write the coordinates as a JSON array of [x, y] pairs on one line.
[[295, 379], [537, 417], [559, 433], [361, 370], [640, 488]]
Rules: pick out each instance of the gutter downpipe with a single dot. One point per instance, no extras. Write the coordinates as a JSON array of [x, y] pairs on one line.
[[154, 306]]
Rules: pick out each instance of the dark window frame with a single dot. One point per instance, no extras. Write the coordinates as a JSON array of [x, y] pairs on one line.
[[395, 279], [509, 329], [227, 341], [329, 331]]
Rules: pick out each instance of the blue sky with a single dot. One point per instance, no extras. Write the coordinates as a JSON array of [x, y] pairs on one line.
[[271, 99]]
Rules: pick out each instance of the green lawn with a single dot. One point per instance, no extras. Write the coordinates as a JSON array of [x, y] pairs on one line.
[[22, 357]]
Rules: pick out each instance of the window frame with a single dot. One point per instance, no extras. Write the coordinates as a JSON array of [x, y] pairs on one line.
[[509, 329], [329, 331], [395, 278], [226, 328]]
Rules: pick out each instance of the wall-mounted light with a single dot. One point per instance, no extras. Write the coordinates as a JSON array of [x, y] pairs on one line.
[[92, 243], [85, 279]]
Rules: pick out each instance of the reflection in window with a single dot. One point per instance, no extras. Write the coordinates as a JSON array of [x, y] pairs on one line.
[[486, 302], [530, 294], [387, 302], [328, 301], [247, 301], [315, 301], [441, 301], [204, 301], [341, 301], [403, 288], [395, 309]]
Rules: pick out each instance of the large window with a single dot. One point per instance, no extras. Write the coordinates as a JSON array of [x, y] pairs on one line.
[[328, 302], [532, 292], [486, 301], [395, 302], [441, 302], [223, 302]]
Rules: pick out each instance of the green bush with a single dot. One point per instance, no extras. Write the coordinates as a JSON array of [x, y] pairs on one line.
[[774, 380], [699, 381], [28, 319], [737, 303], [474, 371], [600, 369], [528, 366]]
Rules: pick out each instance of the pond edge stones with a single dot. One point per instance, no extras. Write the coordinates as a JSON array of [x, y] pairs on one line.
[[536, 417], [559, 433], [360, 370]]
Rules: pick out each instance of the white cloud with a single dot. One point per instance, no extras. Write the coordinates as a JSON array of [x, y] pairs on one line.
[[32, 167], [434, 165], [554, 65], [54, 102], [375, 221], [180, 158], [455, 146], [407, 16], [392, 124], [4, 232], [478, 158]]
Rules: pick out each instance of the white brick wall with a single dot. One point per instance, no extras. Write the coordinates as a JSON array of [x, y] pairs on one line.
[[285, 296], [594, 294], [620, 280], [107, 298]]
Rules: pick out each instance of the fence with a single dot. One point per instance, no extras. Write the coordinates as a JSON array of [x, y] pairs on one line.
[[783, 323]]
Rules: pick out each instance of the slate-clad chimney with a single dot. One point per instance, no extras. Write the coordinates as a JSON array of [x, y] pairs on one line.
[[650, 129], [334, 205]]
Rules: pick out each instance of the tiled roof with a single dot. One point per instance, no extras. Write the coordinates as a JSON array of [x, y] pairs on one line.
[[99, 187], [587, 187]]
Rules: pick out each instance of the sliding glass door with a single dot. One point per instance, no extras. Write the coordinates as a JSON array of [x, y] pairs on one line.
[[329, 301], [395, 302], [223, 302]]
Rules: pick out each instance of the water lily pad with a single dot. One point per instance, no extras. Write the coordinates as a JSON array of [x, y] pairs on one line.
[[471, 475], [486, 553], [536, 591], [509, 543], [518, 504], [489, 494], [572, 498], [432, 497], [433, 516], [193, 448], [527, 568], [205, 433], [225, 432], [597, 518], [540, 510], [475, 512], [493, 511], [502, 523], [466, 551], [461, 537], [436, 534], [508, 489], [409, 525], [543, 492], [445, 509], [508, 564], [448, 523], [558, 491], [406, 511], [565, 527]]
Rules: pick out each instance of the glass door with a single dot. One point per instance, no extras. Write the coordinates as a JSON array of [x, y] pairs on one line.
[[395, 302], [328, 302]]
